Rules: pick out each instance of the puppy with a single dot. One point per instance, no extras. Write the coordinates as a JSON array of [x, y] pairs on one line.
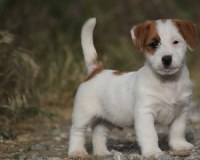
[[160, 91]]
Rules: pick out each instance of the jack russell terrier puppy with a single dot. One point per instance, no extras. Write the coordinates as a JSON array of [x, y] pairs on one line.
[[160, 91]]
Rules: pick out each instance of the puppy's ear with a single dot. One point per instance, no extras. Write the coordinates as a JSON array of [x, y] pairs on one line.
[[141, 33], [188, 30]]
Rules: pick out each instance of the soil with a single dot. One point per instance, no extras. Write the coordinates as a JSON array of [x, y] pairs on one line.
[[43, 138]]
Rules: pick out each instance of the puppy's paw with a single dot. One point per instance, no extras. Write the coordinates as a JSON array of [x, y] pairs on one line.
[[181, 145], [102, 152], [77, 154], [153, 153]]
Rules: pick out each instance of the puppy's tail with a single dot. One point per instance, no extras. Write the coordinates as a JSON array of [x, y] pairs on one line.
[[89, 51]]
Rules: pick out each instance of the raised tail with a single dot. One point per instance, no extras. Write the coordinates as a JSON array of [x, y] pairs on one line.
[[89, 51]]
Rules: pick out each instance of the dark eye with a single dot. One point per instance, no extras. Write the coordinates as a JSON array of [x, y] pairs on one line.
[[154, 44], [175, 42]]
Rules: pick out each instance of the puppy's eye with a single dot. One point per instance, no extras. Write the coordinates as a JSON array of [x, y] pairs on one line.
[[175, 42], [154, 44]]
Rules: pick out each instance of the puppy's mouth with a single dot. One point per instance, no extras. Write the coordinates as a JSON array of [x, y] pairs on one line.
[[168, 70]]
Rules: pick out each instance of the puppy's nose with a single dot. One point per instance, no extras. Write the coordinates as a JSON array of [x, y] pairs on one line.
[[167, 60]]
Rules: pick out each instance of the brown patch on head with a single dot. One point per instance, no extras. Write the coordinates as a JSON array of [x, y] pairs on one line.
[[145, 37], [117, 72], [188, 30], [94, 72]]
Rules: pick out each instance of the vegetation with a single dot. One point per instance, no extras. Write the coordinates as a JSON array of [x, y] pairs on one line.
[[41, 61]]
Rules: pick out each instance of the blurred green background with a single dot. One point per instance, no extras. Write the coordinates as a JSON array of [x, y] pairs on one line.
[[41, 61]]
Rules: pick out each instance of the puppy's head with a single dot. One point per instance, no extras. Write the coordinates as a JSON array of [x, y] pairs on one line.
[[164, 43]]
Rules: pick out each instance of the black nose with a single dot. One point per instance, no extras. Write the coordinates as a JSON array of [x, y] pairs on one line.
[[167, 60]]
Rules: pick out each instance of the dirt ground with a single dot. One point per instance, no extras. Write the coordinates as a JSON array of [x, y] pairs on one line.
[[44, 138]]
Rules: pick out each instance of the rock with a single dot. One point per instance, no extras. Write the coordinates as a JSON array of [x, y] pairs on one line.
[[135, 157], [21, 150], [193, 156], [57, 138], [38, 158], [165, 157], [118, 155], [40, 146], [33, 155]]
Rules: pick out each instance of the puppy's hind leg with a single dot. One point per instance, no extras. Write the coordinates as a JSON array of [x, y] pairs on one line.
[[80, 121], [99, 139]]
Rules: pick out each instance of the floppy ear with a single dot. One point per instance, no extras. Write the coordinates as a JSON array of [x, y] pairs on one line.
[[140, 34], [188, 30]]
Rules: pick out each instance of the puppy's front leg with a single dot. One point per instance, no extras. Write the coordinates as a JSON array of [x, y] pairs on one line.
[[146, 134], [177, 139]]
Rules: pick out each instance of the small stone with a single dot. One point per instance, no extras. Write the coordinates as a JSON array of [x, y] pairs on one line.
[[57, 139], [34, 155], [118, 155], [165, 157], [21, 150], [135, 157], [38, 158], [40, 146], [193, 156], [63, 135]]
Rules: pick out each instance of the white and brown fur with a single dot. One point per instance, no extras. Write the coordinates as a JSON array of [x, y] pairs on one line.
[[160, 91]]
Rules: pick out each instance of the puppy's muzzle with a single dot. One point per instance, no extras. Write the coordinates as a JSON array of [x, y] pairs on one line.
[[167, 60]]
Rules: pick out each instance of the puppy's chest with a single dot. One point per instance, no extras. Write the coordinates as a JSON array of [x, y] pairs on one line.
[[170, 93], [173, 99]]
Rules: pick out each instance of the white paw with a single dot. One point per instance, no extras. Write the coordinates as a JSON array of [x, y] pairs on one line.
[[102, 152], [153, 153], [77, 154], [181, 145]]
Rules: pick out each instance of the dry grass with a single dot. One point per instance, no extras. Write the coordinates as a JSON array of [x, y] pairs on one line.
[[41, 61]]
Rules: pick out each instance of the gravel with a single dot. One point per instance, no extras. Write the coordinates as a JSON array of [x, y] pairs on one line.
[[51, 143]]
